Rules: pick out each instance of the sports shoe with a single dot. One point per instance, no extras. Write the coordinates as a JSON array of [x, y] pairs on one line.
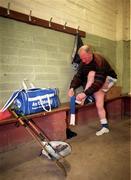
[[102, 131], [70, 134], [60, 148]]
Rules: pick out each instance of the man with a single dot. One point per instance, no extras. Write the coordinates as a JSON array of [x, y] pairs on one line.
[[97, 77]]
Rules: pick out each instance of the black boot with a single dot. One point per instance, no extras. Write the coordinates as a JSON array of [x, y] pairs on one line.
[[70, 134]]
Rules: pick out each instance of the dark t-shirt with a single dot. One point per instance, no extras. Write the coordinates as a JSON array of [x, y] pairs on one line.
[[102, 69]]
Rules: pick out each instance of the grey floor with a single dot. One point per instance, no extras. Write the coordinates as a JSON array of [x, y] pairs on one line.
[[93, 158]]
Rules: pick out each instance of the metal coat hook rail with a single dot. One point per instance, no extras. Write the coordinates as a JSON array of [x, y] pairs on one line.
[[65, 25], [29, 19], [30, 15], [8, 9], [77, 31], [50, 21]]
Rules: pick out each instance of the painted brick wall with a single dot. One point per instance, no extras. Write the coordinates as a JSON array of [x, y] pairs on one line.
[[123, 60], [43, 56], [93, 16]]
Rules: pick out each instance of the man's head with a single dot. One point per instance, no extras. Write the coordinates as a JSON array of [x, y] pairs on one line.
[[85, 53]]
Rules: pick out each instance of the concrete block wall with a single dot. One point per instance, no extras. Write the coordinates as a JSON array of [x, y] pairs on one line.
[[35, 53], [123, 47], [93, 16], [44, 56]]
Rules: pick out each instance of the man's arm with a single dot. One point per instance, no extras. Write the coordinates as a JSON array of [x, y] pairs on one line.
[[97, 84], [103, 69]]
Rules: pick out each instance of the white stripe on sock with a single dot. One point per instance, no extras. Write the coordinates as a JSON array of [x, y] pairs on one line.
[[104, 121], [72, 119]]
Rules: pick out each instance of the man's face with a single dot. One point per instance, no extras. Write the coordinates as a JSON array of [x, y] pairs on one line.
[[86, 57]]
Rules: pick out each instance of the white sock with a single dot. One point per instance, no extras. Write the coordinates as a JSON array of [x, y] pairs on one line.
[[104, 121], [72, 119]]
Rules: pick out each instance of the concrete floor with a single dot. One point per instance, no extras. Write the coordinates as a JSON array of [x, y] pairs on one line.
[[93, 158]]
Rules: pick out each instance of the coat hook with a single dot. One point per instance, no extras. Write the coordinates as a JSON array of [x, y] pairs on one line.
[[65, 25], [8, 10], [77, 30], [50, 21], [30, 15]]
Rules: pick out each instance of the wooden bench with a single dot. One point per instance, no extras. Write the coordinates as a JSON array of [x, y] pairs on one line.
[[54, 123]]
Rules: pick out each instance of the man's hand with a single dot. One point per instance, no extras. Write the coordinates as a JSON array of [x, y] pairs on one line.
[[80, 96], [71, 92]]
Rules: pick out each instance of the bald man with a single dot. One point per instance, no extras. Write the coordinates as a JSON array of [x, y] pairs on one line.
[[96, 76]]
